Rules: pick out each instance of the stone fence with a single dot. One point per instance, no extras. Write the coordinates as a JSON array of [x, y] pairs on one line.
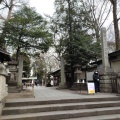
[[3, 86]]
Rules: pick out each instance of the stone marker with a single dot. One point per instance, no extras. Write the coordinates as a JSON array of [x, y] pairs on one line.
[[62, 83], [106, 73], [105, 60], [20, 69]]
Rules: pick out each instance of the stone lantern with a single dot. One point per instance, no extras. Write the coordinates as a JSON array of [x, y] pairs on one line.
[[4, 56], [78, 72]]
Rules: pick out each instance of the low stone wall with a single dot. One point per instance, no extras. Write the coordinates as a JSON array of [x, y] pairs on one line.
[[106, 84], [3, 87]]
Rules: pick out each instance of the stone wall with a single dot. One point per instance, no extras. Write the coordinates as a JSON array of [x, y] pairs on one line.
[[3, 87], [106, 82]]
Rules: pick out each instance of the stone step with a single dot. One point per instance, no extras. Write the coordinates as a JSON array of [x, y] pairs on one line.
[[64, 114], [58, 107], [13, 89], [102, 117], [28, 102]]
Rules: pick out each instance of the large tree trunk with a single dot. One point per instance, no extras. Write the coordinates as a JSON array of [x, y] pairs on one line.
[[10, 9], [70, 38], [17, 53], [1, 1], [115, 21], [97, 31]]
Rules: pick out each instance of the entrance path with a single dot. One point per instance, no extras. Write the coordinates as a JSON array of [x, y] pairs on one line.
[[42, 93]]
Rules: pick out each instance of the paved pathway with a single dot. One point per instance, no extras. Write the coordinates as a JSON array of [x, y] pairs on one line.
[[42, 92], [51, 93]]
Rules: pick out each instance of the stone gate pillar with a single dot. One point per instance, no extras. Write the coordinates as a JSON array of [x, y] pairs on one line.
[[106, 73], [20, 69], [3, 86]]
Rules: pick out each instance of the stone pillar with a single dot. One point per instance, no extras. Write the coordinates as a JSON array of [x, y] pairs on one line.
[[105, 60], [62, 83], [20, 69], [3, 86], [106, 72]]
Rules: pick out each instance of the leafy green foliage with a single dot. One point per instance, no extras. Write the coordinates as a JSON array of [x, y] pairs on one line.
[[74, 28], [26, 30], [75, 24]]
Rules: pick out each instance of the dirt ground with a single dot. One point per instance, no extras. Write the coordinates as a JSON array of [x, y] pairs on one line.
[[25, 93]]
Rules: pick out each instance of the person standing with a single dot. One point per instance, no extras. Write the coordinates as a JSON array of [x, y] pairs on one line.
[[96, 79]]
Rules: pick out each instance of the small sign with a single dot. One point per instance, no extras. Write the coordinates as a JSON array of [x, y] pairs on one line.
[[91, 88]]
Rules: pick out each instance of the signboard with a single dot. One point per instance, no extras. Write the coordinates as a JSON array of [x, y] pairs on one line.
[[91, 88], [89, 76]]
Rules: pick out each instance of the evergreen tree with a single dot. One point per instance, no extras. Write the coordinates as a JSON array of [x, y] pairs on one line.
[[79, 46], [27, 29]]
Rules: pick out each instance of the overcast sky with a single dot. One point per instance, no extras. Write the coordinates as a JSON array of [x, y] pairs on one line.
[[43, 6], [47, 7]]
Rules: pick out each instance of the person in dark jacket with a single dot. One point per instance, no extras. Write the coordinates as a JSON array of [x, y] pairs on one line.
[[96, 79]]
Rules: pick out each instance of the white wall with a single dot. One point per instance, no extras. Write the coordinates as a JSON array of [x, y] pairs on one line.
[[116, 66], [89, 76]]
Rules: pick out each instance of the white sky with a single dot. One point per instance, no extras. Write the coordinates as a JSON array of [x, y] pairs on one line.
[[43, 6], [47, 7]]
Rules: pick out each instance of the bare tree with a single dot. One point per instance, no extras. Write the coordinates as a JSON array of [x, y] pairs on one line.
[[52, 61], [100, 11], [7, 7], [115, 21], [111, 39], [10, 5]]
